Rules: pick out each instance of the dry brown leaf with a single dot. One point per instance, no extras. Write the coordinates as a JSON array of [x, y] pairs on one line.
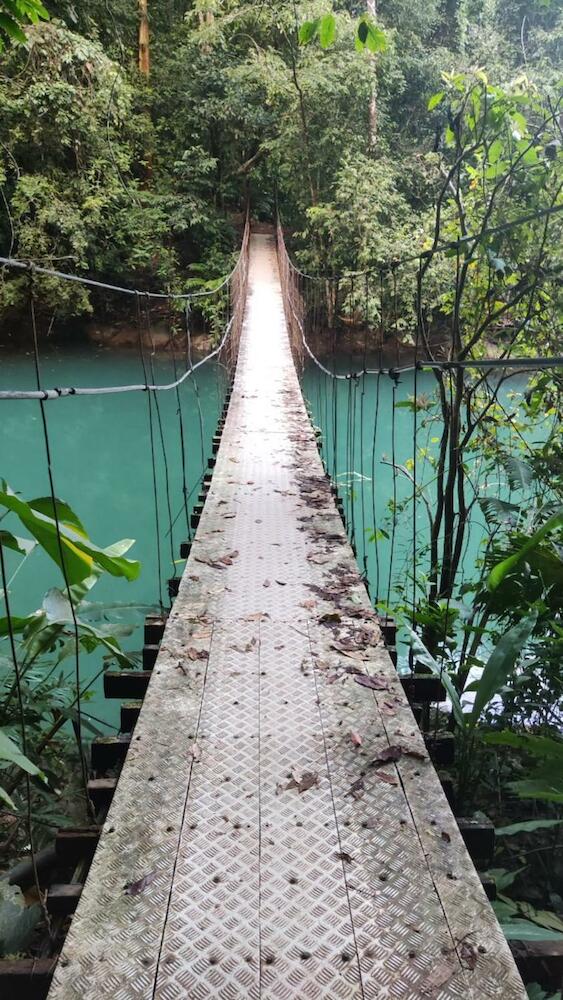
[[375, 683], [196, 654], [387, 778], [356, 739], [134, 888], [357, 789], [303, 782]]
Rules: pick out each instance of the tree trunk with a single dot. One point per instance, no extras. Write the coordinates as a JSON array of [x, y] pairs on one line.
[[144, 51], [372, 115]]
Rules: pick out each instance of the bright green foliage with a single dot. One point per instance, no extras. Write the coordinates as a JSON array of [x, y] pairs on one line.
[[15, 15]]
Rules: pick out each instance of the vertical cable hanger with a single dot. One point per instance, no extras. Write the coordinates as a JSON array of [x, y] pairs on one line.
[[78, 723], [152, 451], [23, 730], [364, 477], [183, 458], [395, 381], [195, 385], [414, 541], [160, 426]]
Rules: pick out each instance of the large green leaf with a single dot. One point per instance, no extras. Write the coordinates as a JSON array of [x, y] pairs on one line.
[[17, 921], [15, 624], [501, 663], [22, 545], [544, 747], [498, 573], [520, 474], [81, 556], [307, 31], [11, 753], [525, 930], [527, 826], [327, 30], [422, 655]]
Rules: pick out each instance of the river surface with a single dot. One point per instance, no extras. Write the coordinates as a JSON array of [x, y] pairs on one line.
[[101, 457]]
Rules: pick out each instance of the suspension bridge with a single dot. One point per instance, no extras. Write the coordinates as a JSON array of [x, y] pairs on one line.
[[269, 819], [278, 829]]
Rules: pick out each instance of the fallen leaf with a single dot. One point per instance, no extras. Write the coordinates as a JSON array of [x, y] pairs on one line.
[[357, 789], [394, 753], [446, 837], [258, 616], [356, 739], [344, 856], [134, 888], [387, 778], [441, 973], [196, 751], [329, 618], [388, 754], [197, 654], [353, 654], [376, 683], [204, 634], [468, 953], [281, 583], [307, 780], [266, 583], [308, 604]]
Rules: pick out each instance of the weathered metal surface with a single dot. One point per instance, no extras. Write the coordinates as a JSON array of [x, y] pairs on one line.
[[280, 861]]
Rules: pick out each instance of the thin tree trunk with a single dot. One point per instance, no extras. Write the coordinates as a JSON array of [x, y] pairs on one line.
[[372, 115], [144, 39]]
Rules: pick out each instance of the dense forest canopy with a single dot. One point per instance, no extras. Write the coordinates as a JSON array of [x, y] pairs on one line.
[[112, 171]]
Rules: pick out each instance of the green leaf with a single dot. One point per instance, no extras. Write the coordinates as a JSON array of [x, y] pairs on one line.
[[422, 655], [60, 509], [376, 40], [81, 556], [22, 545], [497, 510], [528, 826], [12, 28], [501, 662], [10, 752], [525, 930], [495, 151], [5, 798], [520, 474], [307, 31], [546, 786], [500, 571], [17, 921], [436, 99], [327, 30], [543, 747], [503, 878], [16, 624]]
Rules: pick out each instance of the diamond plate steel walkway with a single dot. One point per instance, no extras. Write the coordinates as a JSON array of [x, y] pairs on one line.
[[276, 860]]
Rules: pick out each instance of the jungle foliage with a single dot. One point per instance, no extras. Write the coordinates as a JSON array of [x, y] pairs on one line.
[[379, 131]]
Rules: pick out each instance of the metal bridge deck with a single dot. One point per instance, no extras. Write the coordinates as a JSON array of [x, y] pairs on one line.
[[277, 860]]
